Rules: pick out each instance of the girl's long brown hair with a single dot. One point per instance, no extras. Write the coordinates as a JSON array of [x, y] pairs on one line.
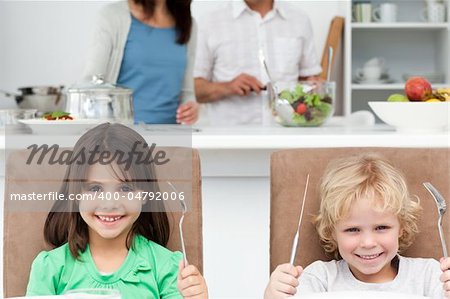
[[64, 223], [181, 12]]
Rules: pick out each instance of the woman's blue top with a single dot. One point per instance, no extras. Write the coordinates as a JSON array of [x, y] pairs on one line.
[[153, 66]]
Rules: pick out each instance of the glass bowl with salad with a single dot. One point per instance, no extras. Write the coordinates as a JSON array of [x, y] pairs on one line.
[[304, 103]]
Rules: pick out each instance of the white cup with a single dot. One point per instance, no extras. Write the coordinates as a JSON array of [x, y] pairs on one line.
[[434, 12], [362, 12], [370, 74], [385, 13], [375, 62]]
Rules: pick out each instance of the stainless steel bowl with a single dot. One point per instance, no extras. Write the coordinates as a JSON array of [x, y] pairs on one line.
[[42, 98]]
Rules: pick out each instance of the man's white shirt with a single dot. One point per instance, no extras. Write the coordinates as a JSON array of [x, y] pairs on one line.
[[229, 43]]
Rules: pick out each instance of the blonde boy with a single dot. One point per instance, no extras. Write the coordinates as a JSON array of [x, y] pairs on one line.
[[367, 218]]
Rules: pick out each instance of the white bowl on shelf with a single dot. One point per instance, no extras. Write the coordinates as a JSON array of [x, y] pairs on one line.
[[414, 117]]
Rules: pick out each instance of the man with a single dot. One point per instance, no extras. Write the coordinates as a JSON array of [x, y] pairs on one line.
[[228, 72]]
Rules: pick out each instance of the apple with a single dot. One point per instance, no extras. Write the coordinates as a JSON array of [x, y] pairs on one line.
[[396, 97], [418, 89]]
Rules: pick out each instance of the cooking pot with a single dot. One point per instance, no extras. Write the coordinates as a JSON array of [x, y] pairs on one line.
[[42, 98], [100, 100]]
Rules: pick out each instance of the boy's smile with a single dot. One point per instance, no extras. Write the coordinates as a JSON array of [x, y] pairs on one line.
[[368, 241]]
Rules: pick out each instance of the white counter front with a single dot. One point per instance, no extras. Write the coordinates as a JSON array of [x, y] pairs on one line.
[[236, 190], [276, 137]]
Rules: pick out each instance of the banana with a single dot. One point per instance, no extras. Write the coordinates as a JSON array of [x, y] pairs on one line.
[[443, 90], [441, 94]]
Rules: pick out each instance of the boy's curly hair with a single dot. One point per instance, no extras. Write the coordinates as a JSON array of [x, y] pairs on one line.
[[349, 179]]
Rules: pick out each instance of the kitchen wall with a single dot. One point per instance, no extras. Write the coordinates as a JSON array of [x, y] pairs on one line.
[[44, 42]]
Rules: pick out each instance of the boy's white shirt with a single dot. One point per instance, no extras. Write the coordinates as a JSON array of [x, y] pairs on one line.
[[416, 276]]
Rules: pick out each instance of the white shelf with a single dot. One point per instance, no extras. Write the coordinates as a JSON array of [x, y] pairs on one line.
[[408, 46], [400, 25], [390, 86]]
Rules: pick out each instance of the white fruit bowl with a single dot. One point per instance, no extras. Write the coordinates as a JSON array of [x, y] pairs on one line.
[[415, 117]]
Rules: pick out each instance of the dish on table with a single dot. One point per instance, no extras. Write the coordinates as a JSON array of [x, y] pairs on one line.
[[50, 127], [360, 294]]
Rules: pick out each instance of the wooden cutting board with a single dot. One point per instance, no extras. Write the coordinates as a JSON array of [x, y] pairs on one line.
[[333, 40]]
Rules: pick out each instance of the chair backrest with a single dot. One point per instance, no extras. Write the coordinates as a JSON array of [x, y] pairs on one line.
[[23, 230], [289, 169]]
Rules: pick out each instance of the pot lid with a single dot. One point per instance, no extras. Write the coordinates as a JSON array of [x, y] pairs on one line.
[[98, 84]]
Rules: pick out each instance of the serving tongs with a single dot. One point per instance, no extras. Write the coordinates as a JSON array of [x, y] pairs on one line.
[[270, 85], [180, 224], [441, 205], [296, 237]]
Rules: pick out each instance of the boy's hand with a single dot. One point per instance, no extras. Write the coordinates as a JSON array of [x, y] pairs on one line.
[[191, 283], [283, 282], [445, 277]]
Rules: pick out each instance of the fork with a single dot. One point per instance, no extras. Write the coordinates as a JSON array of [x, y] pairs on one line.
[[440, 202], [296, 237], [180, 224]]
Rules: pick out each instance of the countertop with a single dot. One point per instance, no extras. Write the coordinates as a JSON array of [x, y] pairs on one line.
[[335, 133]]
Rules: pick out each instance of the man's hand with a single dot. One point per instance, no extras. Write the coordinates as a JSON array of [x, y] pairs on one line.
[[187, 113], [283, 282], [207, 91], [191, 283], [243, 84], [445, 277]]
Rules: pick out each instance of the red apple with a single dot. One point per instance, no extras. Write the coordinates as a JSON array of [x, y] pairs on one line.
[[417, 89]]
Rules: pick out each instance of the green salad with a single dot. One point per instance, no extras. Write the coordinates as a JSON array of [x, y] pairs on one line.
[[310, 109]]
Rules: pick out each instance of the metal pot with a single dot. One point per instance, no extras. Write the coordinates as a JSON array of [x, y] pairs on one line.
[[42, 98], [100, 100]]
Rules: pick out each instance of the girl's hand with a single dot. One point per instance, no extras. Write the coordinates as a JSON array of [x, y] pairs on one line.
[[445, 277], [187, 113], [191, 283], [283, 282]]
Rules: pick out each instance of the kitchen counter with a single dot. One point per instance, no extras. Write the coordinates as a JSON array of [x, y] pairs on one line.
[[333, 134], [277, 137], [235, 165]]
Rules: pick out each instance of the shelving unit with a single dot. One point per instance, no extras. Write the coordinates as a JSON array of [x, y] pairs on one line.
[[409, 46]]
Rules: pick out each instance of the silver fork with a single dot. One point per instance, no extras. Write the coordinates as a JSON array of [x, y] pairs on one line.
[[296, 237], [440, 202], [180, 224]]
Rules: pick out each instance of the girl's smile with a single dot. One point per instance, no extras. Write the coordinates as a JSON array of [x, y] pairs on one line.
[[108, 219], [368, 241]]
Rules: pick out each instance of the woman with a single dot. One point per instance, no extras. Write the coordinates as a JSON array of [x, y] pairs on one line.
[[148, 45]]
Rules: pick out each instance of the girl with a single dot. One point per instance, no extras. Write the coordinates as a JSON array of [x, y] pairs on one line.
[[148, 45], [110, 243], [366, 218]]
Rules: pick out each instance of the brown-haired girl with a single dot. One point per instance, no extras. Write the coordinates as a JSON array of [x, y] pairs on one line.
[[116, 243]]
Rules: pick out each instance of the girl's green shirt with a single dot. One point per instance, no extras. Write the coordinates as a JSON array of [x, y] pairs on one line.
[[149, 271]]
